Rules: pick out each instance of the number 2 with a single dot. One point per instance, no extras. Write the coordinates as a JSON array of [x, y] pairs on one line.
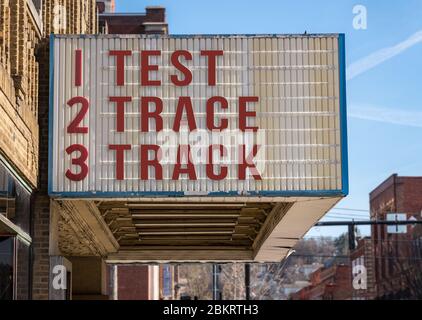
[[74, 125]]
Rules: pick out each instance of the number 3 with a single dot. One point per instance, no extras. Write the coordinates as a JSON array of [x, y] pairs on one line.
[[78, 162]]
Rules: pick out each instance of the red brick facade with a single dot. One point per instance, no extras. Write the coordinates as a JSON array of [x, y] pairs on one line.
[[133, 282], [331, 283], [152, 22], [364, 256], [397, 267]]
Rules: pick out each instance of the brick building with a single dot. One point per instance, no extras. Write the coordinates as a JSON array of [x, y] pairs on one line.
[[398, 265], [21, 30], [24, 205], [331, 282], [363, 256], [108, 6], [142, 282], [153, 21]]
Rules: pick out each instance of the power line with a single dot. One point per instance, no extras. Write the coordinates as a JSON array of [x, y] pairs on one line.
[[350, 214], [348, 218], [368, 223], [350, 209], [345, 216], [347, 257], [365, 238]]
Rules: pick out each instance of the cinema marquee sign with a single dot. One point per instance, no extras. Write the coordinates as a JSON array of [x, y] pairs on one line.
[[134, 116]]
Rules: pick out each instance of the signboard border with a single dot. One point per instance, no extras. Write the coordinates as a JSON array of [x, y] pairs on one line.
[[344, 191]]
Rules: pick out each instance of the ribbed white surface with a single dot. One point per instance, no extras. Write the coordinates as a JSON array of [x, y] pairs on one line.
[[295, 78]]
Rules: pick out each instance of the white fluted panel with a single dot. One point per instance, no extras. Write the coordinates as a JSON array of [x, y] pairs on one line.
[[295, 77]]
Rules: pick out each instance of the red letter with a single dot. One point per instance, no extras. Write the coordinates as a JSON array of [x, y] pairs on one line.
[[212, 55], [73, 127], [120, 64], [186, 72], [146, 114], [146, 68], [210, 164], [78, 67], [120, 117], [190, 168], [184, 102], [243, 113], [145, 162], [247, 162], [120, 158], [78, 162], [210, 113]]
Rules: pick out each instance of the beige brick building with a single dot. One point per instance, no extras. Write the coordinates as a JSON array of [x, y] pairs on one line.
[[25, 26], [36, 232], [21, 30]]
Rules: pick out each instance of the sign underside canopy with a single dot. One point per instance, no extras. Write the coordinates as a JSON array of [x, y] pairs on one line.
[[262, 118]]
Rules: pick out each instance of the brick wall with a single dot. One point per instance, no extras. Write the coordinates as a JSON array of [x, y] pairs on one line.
[[365, 253], [41, 213], [332, 283], [343, 285], [80, 18], [5, 35], [69, 16], [391, 251], [133, 282], [24, 70], [152, 22], [155, 14], [20, 32]]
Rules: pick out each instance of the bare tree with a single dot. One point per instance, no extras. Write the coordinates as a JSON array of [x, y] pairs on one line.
[[196, 280]]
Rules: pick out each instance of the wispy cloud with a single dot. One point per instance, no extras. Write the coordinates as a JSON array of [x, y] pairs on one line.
[[387, 115], [382, 55]]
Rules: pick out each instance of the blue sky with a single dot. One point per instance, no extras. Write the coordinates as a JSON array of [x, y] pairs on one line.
[[384, 100]]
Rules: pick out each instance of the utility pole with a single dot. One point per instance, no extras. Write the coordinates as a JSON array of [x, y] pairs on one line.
[[216, 294], [352, 224], [352, 237], [247, 281]]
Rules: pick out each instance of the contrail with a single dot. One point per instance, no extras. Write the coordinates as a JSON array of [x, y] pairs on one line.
[[381, 56], [387, 115]]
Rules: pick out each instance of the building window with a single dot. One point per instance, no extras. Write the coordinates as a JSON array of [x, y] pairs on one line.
[[15, 206], [167, 281], [6, 268], [38, 5]]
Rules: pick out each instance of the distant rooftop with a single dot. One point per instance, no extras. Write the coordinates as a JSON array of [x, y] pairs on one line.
[[152, 21], [106, 6]]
